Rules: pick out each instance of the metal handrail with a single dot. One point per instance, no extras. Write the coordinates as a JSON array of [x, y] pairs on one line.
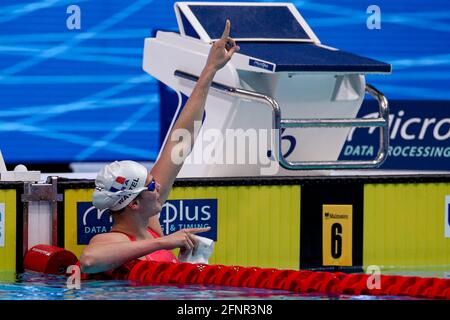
[[277, 123]]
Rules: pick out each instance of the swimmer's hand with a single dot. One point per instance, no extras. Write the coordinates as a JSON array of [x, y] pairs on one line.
[[222, 50], [183, 239]]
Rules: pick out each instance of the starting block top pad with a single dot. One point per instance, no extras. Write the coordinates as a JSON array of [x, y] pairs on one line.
[[305, 57]]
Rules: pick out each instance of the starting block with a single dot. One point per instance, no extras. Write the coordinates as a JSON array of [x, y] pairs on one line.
[[283, 82]]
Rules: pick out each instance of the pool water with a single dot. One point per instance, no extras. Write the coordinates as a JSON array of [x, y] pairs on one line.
[[34, 286]]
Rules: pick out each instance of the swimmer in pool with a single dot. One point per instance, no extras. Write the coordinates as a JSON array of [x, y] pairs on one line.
[[134, 196]]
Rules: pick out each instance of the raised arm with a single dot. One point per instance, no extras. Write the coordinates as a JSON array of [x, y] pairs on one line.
[[166, 169]]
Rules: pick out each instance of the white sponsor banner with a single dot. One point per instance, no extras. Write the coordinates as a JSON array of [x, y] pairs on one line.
[[2, 225], [447, 216]]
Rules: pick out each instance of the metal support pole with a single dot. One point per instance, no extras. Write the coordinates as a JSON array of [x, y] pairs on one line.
[[41, 192], [381, 122]]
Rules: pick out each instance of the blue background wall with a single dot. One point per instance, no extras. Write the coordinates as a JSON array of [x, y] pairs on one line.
[[81, 95]]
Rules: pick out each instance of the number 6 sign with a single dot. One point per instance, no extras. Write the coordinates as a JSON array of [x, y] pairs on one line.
[[337, 235]]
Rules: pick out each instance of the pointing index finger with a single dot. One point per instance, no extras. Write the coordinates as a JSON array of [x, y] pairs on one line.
[[226, 31], [198, 230]]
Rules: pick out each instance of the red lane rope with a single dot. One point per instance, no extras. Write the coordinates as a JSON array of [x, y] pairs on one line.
[[54, 260], [149, 272]]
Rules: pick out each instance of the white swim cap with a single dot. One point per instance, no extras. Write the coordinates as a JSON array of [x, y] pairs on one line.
[[118, 183]]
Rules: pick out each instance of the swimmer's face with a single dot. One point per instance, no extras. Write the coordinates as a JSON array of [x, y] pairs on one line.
[[151, 202]]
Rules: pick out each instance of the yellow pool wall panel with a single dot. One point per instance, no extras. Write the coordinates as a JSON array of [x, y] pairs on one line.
[[8, 249], [404, 225], [71, 197], [257, 225]]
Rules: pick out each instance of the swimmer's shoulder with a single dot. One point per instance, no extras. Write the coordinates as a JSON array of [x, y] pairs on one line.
[[109, 237]]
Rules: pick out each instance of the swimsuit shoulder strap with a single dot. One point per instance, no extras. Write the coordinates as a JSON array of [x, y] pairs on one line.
[[153, 233]]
